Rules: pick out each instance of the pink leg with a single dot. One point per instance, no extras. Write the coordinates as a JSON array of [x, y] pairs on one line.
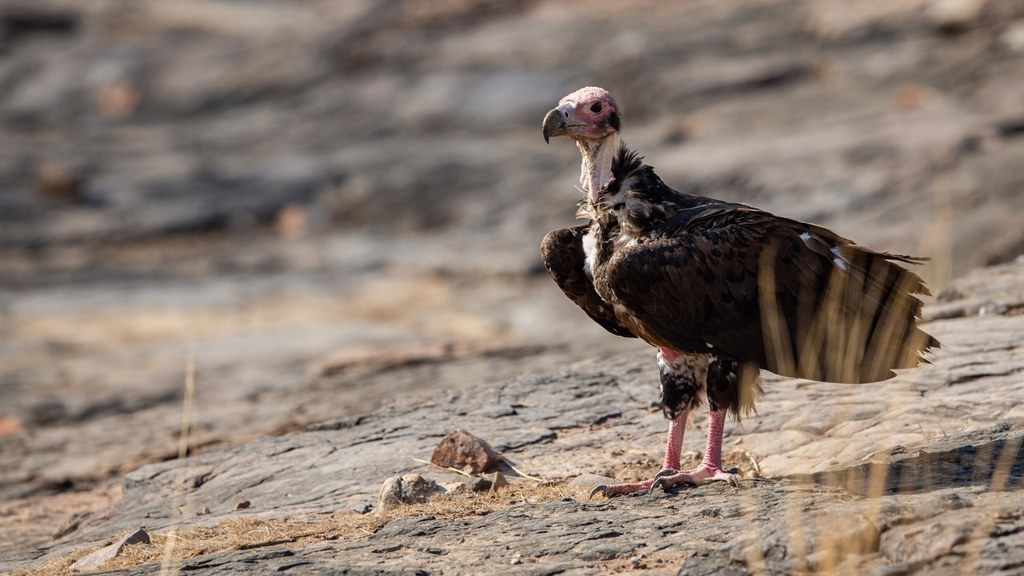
[[674, 445], [710, 467], [670, 465], [709, 470]]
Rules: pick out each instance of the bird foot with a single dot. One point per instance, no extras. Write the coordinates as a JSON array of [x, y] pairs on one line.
[[666, 478], [703, 474]]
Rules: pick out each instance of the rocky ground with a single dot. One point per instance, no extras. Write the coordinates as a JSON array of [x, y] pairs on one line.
[[921, 474], [334, 212]]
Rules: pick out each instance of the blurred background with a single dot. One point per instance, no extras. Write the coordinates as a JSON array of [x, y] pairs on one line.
[[330, 206]]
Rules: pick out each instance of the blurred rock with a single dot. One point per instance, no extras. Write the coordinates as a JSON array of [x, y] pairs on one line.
[[18, 22], [833, 20], [1013, 37], [47, 411], [211, 115], [954, 15], [292, 221], [912, 96], [9, 425], [119, 100], [59, 182]]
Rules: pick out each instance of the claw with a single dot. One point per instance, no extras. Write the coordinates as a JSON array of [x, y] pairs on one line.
[[733, 481], [665, 472], [659, 482], [602, 488]]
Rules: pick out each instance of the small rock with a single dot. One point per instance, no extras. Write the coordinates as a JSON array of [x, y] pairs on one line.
[[460, 449], [99, 557], [588, 481], [498, 482], [205, 510], [455, 488], [362, 508], [59, 182], [243, 505], [46, 412], [390, 493], [119, 100], [481, 485], [581, 486], [912, 96], [291, 221], [954, 15], [1013, 38], [9, 425], [408, 489]]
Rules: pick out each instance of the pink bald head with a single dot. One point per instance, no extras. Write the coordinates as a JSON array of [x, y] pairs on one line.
[[587, 114]]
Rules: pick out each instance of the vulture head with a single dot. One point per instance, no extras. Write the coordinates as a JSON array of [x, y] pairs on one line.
[[590, 117], [586, 114]]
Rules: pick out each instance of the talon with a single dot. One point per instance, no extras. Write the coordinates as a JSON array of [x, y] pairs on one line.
[[658, 483], [665, 472], [602, 488], [733, 481]]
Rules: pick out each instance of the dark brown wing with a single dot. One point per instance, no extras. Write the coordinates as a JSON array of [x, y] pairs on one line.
[[794, 298], [562, 252]]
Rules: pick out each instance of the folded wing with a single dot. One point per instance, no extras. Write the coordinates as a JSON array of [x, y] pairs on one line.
[[792, 297]]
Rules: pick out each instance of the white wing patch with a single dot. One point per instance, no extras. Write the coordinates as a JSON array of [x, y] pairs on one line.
[[838, 260], [590, 253]]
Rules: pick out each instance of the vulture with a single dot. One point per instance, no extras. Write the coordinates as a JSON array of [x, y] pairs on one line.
[[721, 289]]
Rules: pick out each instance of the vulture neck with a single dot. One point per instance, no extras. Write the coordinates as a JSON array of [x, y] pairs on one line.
[[596, 170]]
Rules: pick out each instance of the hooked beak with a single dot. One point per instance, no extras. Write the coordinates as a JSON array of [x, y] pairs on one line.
[[555, 124]]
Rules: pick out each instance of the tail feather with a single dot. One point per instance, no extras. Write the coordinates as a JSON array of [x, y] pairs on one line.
[[854, 323]]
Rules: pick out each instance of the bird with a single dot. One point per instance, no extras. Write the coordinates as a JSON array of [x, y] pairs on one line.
[[721, 289]]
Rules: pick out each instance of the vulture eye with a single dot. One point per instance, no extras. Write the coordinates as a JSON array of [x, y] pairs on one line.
[[596, 108]]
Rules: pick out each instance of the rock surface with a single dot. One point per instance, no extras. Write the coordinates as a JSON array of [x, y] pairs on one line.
[[921, 474]]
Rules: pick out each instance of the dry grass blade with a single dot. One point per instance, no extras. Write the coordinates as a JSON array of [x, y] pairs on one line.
[[448, 468], [522, 474], [753, 462], [186, 445]]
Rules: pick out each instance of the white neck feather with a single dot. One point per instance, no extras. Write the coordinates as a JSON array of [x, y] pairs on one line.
[[596, 170]]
